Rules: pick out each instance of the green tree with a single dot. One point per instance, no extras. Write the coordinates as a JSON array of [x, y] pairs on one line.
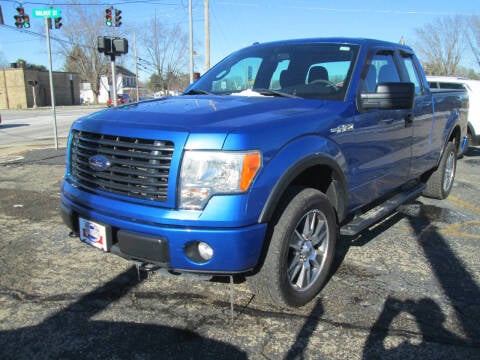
[[31, 66], [155, 83]]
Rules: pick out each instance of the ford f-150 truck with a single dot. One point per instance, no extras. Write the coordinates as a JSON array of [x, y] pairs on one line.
[[262, 163]]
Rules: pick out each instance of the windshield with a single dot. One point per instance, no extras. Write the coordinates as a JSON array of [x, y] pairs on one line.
[[316, 71]]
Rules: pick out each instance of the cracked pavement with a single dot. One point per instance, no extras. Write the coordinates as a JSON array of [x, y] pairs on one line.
[[407, 288]]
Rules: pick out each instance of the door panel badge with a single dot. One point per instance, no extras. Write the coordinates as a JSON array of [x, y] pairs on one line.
[[342, 128]]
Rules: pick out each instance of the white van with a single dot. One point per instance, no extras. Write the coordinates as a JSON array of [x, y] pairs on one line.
[[473, 90]]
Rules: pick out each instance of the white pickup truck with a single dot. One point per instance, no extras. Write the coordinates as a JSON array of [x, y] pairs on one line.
[[473, 90]]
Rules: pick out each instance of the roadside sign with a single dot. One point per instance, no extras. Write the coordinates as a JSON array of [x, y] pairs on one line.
[[47, 13]]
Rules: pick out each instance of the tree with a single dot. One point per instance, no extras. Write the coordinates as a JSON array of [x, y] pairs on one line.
[[167, 51], [78, 62], [80, 47], [441, 45], [155, 83], [473, 37], [30, 66]]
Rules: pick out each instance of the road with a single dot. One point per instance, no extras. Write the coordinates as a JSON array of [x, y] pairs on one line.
[[408, 288], [34, 128]]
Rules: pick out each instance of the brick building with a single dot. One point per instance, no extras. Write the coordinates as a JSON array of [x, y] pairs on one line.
[[22, 88]]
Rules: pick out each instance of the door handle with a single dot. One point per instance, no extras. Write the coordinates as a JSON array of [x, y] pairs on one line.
[[409, 120]]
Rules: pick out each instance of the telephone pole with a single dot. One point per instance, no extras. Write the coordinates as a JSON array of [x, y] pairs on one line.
[[190, 19], [207, 36]]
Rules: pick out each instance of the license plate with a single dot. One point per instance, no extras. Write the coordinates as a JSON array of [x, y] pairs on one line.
[[93, 233]]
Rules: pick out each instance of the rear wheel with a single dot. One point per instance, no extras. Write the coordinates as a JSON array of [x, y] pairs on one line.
[[440, 182], [301, 250], [469, 140]]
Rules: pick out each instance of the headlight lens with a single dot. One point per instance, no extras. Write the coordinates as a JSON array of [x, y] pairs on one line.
[[206, 173]]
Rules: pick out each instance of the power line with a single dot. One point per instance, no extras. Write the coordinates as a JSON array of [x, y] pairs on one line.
[[340, 10], [44, 3]]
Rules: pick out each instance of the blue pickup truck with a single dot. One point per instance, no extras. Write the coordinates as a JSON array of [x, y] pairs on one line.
[[262, 163]]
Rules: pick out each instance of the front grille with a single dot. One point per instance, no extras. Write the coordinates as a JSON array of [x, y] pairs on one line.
[[138, 167]]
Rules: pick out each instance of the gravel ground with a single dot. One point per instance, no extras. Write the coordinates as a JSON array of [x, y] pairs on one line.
[[407, 288]]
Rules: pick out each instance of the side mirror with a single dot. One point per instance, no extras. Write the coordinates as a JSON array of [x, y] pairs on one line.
[[389, 96]]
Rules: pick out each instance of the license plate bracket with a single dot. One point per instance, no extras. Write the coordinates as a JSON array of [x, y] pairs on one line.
[[95, 234]]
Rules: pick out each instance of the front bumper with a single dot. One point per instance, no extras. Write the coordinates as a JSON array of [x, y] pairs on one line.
[[236, 250]]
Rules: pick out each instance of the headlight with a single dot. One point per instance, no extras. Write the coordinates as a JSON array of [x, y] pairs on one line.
[[206, 173]]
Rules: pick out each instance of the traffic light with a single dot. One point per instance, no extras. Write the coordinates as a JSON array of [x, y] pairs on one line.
[[19, 17], [22, 20], [26, 21], [118, 18], [108, 17], [49, 22], [58, 23], [18, 21]]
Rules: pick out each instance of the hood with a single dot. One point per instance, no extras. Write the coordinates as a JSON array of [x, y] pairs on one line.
[[204, 113]]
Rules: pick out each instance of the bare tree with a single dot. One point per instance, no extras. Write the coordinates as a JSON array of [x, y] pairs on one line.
[[167, 50], [84, 24], [441, 44], [473, 37]]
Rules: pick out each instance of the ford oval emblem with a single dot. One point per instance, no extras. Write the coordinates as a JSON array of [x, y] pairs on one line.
[[99, 162]]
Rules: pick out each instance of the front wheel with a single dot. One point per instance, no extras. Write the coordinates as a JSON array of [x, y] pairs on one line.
[[301, 250], [440, 182]]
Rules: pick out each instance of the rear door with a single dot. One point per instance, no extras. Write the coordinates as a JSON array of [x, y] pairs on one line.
[[424, 155]]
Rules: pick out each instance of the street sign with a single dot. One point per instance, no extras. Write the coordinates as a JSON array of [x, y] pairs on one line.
[[47, 13]]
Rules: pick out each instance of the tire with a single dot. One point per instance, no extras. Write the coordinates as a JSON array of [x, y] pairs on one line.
[[301, 250], [469, 140], [440, 182]]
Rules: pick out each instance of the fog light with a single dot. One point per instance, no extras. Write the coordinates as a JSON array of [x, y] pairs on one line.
[[205, 250]]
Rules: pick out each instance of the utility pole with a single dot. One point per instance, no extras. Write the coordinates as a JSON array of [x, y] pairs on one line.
[[136, 62], [207, 35], [190, 18], [52, 91], [114, 78]]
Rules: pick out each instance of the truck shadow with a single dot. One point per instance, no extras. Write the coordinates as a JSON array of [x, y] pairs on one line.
[[72, 333], [460, 288], [472, 152]]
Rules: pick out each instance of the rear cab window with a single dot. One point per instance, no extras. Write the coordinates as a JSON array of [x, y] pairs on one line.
[[448, 85], [412, 73]]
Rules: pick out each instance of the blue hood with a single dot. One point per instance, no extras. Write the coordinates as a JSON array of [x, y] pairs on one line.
[[204, 113]]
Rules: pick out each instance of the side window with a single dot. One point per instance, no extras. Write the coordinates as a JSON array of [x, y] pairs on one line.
[[381, 69], [412, 73], [275, 81], [433, 85]]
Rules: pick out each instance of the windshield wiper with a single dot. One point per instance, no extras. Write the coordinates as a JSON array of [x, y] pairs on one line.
[[196, 92], [269, 92]]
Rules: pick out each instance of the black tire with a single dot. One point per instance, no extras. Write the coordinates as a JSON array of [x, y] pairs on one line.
[[469, 140], [440, 183], [301, 250]]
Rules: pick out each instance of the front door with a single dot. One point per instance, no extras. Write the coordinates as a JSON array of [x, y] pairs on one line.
[[382, 139]]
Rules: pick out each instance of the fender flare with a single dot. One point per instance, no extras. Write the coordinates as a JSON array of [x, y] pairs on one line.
[[339, 189]]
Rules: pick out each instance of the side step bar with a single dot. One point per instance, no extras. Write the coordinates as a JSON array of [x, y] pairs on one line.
[[362, 221]]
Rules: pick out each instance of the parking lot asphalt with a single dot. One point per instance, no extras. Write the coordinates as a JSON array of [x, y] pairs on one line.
[[407, 288]]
